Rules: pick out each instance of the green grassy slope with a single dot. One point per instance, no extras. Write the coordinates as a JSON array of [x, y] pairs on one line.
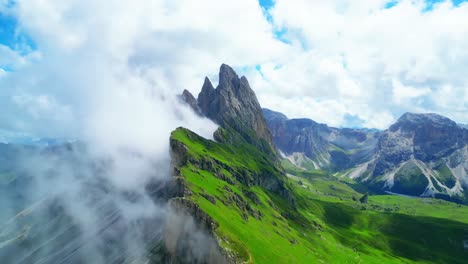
[[410, 179], [323, 223], [445, 175]]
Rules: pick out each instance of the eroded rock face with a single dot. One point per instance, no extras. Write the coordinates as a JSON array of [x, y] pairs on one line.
[[189, 237], [299, 135], [233, 103], [188, 98], [265, 179], [421, 155], [202, 219], [425, 137], [326, 147]]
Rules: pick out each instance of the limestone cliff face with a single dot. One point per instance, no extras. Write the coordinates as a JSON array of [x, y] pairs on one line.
[[424, 151], [227, 170], [233, 103], [421, 154], [188, 98], [425, 137], [323, 146]]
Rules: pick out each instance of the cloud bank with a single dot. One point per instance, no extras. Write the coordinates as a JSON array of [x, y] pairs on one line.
[[369, 59], [91, 78], [360, 63]]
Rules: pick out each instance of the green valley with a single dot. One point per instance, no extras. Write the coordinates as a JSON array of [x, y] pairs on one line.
[[313, 218]]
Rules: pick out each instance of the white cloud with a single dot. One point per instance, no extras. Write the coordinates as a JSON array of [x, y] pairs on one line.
[[91, 50], [361, 55], [344, 58], [9, 57], [43, 107], [404, 94]]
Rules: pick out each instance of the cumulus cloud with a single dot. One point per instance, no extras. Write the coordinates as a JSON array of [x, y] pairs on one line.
[[95, 80], [158, 43], [362, 57], [369, 57]]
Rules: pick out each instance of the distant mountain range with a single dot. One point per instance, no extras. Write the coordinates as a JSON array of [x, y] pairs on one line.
[[9, 137], [311, 145], [419, 155]]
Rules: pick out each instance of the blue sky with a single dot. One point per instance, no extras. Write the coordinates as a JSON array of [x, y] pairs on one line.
[[306, 59], [266, 3], [11, 37], [269, 3], [423, 101], [7, 31]]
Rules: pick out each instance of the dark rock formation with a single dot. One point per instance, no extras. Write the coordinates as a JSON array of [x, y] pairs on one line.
[[421, 155], [327, 147], [364, 198], [272, 178], [202, 219], [190, 100], [425, 137], [183, 204], [234, 104]]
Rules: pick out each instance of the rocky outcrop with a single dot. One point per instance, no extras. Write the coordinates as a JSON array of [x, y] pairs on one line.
[[187, 206], [322, 147], [425, 137], [233, 104], [188, 98], [364, 199], [271, 179], [421, 154], [185, 157]]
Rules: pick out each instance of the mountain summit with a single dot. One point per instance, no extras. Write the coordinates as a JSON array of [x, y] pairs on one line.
[[421, 154], [234, 105], [311, 145], [233, 102]]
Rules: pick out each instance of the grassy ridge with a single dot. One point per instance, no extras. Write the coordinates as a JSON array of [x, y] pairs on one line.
[[326, 224]]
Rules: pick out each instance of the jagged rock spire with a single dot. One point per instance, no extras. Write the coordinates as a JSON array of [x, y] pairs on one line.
[[205, 96], [190, 100], [233, 103]]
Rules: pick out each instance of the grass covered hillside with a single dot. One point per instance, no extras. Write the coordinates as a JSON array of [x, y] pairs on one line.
[[260, 215]]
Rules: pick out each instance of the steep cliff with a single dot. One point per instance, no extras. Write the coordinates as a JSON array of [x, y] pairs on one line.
[[311, 145], [421, 154]]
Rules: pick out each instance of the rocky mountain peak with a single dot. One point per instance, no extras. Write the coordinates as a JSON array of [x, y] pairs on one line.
[[234, 104], [410, 121], [204, 97], [273, 115], [313, 145], [426, 137], [228, 77], [421, 154], [207, 86], [188, 98], [188, 95]]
